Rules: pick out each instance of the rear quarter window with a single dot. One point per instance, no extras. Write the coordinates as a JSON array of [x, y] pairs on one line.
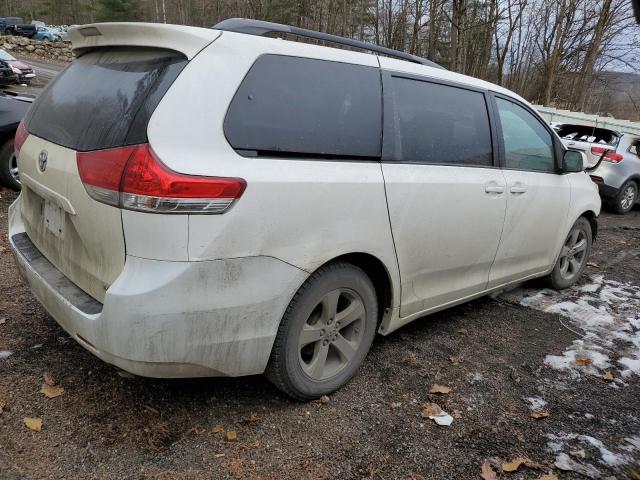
[[105, 98], [307, 107]]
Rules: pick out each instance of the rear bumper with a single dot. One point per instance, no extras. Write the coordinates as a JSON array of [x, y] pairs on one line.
[[169, 319]]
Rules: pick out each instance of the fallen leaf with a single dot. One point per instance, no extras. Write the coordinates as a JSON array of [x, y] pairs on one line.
[[3, 320], [48, 379], [2, 405], [217, 429], [607, 376], [395, 405], [515, 376], [198, 430], [487, 472], [251, 418], [232, 436], [430, 409], [462, 331], [455, 360], [538, 414], [52, 391], [457, 414], [548, 477], [435, 388], [513, 465], [34, 424], [583, 361], [592, 264], [324, 399]]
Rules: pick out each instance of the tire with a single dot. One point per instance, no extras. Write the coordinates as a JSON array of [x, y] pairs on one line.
[[572, 259], [316, 310], [8, 167], [626, 198]]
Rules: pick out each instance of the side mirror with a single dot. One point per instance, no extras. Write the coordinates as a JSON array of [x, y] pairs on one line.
[[573, 161]]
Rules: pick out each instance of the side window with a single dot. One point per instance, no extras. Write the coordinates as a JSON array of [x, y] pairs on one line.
[[302, 106], [437, 123], [527, 144]]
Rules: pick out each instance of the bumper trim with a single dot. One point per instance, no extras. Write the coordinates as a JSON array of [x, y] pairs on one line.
[[54, 277]]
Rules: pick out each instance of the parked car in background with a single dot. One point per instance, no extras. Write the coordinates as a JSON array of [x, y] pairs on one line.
[[618, 174], [8, 75], [16, 26], [25, 72], [13, 108], [265, 220], [588, 139], [47, 34]]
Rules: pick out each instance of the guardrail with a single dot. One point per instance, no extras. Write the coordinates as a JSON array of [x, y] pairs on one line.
[[556, 115]]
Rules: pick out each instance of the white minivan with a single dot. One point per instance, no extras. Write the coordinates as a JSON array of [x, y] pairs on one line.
[[203, 202]]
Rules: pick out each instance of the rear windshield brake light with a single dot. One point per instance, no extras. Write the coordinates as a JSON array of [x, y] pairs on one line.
[[134, 178], [610, 155]]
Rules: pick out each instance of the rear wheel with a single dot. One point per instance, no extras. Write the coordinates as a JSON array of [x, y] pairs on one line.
[[573, 256], [626, 198], [9, 166], [325, 333]]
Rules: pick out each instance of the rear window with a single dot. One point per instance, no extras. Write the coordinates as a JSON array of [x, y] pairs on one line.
[[105, 98], [582, 133], [306, 107]]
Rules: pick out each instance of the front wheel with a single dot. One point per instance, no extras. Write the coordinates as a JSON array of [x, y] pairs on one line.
[[573, 256], [325, 333], [9, 166]]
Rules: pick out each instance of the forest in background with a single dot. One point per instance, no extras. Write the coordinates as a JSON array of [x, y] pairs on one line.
[[552, 52]]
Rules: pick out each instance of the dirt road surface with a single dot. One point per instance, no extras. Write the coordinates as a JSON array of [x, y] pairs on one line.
[[495, 355]]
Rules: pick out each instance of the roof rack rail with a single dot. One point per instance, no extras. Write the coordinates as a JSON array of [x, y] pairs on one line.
[[260, 27]]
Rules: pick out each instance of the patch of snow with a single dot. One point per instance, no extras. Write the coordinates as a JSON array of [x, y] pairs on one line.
[[573, 442], [607, 315], [588, 416], [5, 354], [565, 462], [536, 403], [632, 364]]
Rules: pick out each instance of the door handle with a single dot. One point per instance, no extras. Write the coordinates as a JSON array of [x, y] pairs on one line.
[[494, 188], [518, 188]]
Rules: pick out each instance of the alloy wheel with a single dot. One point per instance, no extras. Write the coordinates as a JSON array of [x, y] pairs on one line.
[[628, 197], [332, 334], [574, 254], [13, 168]]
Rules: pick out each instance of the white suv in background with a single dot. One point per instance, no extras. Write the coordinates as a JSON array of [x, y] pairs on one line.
[[201, 202]]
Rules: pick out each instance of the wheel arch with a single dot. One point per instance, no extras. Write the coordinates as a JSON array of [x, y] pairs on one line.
[[377, 272], [591, 216]]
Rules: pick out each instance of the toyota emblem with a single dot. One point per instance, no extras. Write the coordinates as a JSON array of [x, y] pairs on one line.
[[42, 160]]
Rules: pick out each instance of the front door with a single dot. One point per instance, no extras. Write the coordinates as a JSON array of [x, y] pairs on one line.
[[538, 197]]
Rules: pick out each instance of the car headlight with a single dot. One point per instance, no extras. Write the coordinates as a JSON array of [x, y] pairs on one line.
[[16, 70]]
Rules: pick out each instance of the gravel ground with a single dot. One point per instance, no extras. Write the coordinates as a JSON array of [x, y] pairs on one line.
[[489, 352]]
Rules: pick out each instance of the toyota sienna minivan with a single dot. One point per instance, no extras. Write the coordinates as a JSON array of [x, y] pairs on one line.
[[205, 202]]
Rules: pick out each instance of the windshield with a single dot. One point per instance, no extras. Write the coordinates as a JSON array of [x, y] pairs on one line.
[[6, 57]]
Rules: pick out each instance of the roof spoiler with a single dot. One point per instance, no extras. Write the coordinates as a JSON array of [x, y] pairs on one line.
[[186, 40], [259, 28]]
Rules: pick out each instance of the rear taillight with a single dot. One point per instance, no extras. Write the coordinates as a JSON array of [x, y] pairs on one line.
[[21, 136], [134, 178], [610, 155]]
